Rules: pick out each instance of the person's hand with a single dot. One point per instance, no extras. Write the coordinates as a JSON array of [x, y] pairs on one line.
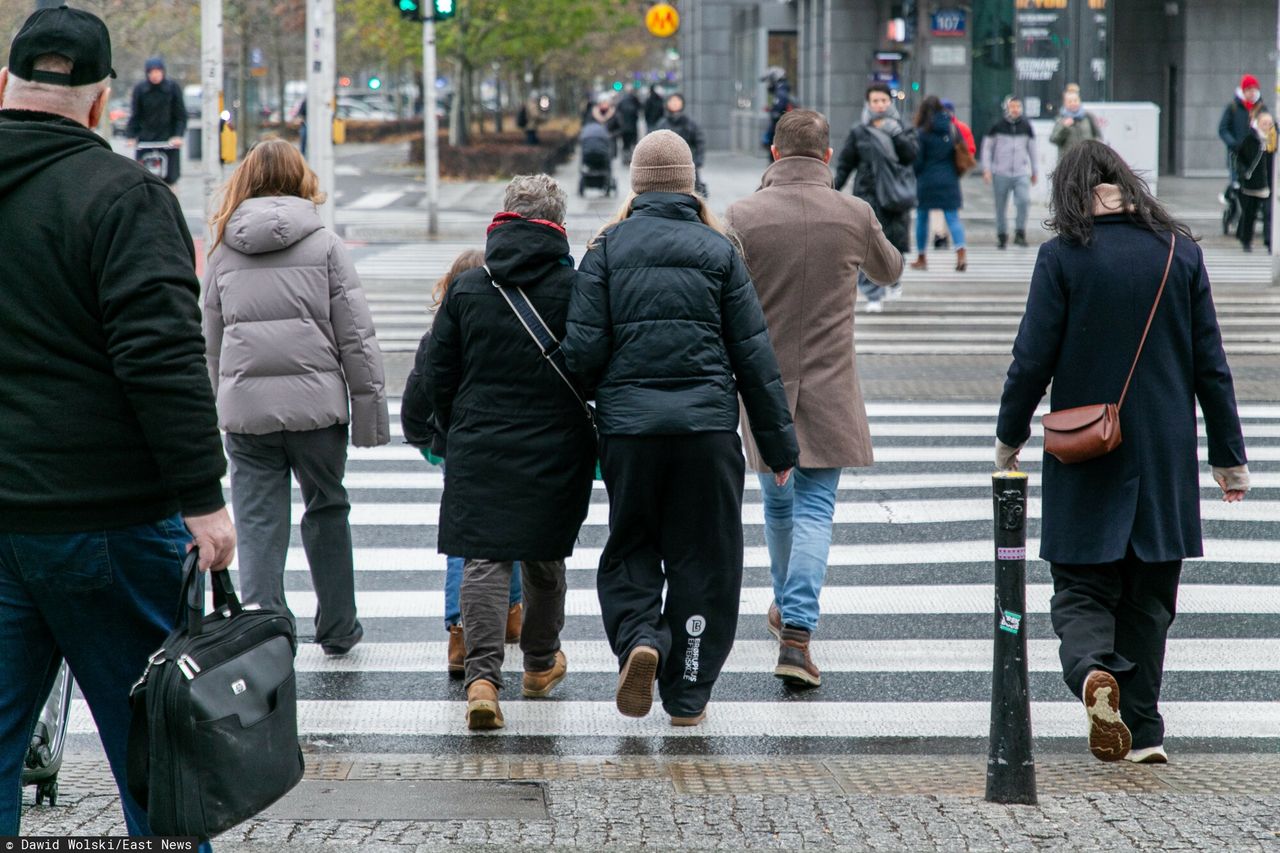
[[1234, 482], [1067, 122], [215, 536], [1034, 178], [175, 141], [986, 175], [1006, 456], [781, 477]]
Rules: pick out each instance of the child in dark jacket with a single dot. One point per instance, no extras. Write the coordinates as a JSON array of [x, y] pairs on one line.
[[421, 430], [1255, 162]]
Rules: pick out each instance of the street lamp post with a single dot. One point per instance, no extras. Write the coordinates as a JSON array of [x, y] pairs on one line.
[[1273, 201], [321, 59], [211, 96], [431, 128]]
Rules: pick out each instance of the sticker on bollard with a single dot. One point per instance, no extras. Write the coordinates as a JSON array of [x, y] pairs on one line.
[[1011, 770]]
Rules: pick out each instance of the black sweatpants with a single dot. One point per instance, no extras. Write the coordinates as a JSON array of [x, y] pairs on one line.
[[1116, 617], [675, 515], [1253, 209]]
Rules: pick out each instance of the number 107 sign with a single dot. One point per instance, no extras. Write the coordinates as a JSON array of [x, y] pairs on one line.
[[947, 22]]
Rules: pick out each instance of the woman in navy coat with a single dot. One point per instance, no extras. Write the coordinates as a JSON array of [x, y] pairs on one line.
[[1116, 529], [937, 182]]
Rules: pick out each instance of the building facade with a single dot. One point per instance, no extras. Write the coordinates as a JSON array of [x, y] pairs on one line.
[[1185, 56]]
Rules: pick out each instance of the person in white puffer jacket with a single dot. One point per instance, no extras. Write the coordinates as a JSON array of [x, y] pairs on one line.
[[289, 339]]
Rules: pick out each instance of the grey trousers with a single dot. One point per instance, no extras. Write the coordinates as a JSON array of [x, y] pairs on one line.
[[486, 594], [1020, 187], [260, 497]]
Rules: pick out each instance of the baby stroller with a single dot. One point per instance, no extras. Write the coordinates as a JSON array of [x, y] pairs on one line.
[[597, 160], [44, 754]]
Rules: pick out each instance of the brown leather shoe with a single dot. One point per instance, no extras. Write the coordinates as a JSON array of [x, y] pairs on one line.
[[457, 651], [920, 263], [961, 263], [1109, 738], [483, 711], [773, 622], [795, 667], [515, 621], [538, 685], [635, 683]]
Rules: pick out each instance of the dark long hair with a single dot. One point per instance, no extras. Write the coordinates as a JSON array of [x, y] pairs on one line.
[[1082, 168], [929, 108]]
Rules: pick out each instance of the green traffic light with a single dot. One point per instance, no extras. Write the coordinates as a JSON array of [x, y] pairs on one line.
[[915, 87], [408, 5], [617, 85], [445, 8], [375, 83]]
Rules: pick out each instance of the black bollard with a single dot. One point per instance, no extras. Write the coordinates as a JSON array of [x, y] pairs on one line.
[[1011, 770]]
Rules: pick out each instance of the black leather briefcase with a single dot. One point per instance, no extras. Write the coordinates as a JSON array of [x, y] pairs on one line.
[[214, 737]]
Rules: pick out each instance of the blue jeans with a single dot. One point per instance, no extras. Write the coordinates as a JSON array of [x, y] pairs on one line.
[[453, 585], [104, 600], [797, 529], [954, 225]]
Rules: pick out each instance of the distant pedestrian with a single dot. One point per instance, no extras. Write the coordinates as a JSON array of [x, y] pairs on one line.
[[679, 122], [666, 331], [521, 452], [780, 103], [529, 118], [629, 109], [158, 113], [421, 429], [941, 237], [290, 339], [654, 109], [301, 116], [1255, 170], [879, 153], [937, 180], [1009, 164], [805, 243], [111, 462], [1115, 529], [1075, 124], [966, 132], [1233, 129]]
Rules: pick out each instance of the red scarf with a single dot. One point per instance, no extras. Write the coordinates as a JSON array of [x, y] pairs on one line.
[[507, 216]]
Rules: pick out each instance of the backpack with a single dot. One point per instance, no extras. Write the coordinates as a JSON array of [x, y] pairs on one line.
[[895, 183]]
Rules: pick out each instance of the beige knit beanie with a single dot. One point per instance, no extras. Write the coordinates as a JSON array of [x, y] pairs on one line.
[[662, 163]]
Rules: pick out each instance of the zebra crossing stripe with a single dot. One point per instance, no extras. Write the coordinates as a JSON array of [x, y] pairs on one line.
[[1256, 655], [316, 718], [899, 600]]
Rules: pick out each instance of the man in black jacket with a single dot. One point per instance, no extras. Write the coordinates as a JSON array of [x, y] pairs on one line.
[[111, 452], [159, 115], [678, 121]]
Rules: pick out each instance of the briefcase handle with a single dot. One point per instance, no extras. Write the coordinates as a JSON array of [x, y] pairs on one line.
[[192, 599]]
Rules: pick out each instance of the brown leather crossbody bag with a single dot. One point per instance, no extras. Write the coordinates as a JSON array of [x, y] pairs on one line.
[[1087, 432]]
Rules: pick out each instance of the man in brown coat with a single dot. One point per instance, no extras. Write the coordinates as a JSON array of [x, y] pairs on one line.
[[804, 244]]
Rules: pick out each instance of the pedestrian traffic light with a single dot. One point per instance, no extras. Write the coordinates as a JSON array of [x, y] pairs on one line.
[[915, 86], [410, 10], [375, 83], [617, 85], [444, 9]]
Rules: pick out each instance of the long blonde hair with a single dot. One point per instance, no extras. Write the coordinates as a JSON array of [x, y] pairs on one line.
[[468, 260], [273, 167], [707, 218]]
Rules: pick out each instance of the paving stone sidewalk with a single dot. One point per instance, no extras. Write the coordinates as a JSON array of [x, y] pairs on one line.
[[865, 803]]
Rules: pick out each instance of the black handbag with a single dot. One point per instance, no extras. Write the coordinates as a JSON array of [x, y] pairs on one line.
[[214, 735]]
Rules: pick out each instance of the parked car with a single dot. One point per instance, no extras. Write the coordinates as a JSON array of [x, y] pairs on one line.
[[118, 116], [354, 110]]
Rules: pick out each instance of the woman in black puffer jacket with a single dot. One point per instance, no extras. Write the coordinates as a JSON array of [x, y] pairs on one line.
[[666, 329]]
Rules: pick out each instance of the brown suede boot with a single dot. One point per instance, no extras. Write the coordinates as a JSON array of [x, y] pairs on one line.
[[773, 622], [961, 263], [920, 263], [483, 711], [795, 667], [538, 685], [457, 651], [515, 622]]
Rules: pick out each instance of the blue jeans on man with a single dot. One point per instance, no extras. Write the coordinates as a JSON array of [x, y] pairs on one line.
[[104, 600], [797, 529]]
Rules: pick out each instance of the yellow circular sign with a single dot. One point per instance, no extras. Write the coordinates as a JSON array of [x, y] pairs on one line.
[[662, 20]]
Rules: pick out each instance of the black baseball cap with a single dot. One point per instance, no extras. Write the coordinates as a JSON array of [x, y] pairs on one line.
[[76, 34]]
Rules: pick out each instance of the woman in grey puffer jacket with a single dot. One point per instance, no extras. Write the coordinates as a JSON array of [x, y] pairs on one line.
[[289, 337]]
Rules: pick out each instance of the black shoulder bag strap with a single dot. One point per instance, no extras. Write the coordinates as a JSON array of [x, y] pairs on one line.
[[547, 343]]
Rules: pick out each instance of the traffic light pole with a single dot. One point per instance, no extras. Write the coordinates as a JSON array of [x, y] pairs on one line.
[[431, 128], [321, 60], [211, 97]]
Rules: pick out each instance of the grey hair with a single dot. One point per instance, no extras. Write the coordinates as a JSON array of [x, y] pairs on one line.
[[536, 197], [49, 97]]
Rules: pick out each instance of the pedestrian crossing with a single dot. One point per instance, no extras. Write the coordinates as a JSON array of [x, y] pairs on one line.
[[905, 642], [940, 312]]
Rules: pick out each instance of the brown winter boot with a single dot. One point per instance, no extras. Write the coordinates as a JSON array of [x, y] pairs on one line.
[[920, 263], [1109, 738], [795, 667], [515, 622], [773, 621], [457, 651], [961, 263], [538, 685], [483, 712]]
